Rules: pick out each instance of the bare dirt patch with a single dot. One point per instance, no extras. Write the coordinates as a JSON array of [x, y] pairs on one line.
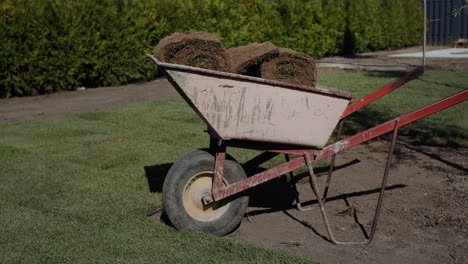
[[68, 102], [424, 217]]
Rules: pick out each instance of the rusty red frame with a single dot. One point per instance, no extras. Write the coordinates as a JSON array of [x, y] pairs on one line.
[[220, 192]]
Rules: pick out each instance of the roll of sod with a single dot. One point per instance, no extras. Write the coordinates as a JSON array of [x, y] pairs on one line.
[[247, 59], [290, 66], [196, 49]]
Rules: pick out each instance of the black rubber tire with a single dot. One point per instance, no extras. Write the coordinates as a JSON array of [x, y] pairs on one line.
[[179, 175]]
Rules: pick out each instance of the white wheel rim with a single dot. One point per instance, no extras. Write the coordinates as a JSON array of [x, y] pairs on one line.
[[195, 188]]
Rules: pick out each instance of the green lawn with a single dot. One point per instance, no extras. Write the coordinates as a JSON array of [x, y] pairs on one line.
[[448, 127], [75, 189]]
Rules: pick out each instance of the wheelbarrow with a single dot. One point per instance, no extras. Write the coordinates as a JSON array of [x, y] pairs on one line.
[[205, 190]]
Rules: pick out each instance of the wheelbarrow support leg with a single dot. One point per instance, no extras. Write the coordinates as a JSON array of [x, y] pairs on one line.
[[330, 172], [220, 156], [293, 183], [332, 164], [313, 182]]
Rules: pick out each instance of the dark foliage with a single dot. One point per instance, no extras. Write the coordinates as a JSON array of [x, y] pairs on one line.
[[52, 45]]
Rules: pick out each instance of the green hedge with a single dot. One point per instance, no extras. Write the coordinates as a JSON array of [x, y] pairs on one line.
[[52, 45]]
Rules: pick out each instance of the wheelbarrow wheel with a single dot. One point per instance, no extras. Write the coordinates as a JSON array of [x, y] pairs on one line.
[[188, 179]]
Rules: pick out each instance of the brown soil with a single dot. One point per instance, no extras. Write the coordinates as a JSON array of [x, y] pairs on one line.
[[197, 49], [424, 217], [292, 67], [251, 55], [68, 102]]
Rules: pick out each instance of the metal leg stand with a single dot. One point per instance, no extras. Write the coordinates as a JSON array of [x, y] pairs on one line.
[[220, 156], [313, 183], [294, 185], [332, 164], [330, 172]]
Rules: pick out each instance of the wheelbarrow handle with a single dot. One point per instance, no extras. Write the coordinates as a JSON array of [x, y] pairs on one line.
[[153, 58], [391, 125], [416, 72]]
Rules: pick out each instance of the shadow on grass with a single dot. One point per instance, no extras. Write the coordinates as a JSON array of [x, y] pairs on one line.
[[422, 131], [155, 176], [360, 56], [364, 119], [442, 84], [384, 74]]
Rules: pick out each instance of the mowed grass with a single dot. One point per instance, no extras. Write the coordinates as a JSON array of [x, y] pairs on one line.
[[76, 189]]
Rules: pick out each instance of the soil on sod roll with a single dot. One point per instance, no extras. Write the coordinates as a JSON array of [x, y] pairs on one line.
[[247, 59], [292, 67], [196, 49]]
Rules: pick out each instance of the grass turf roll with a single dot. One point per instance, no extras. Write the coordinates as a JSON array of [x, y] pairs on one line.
[[247, 59], [290, 66], [196, 49]]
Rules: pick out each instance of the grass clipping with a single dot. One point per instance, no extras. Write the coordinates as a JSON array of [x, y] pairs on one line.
[[196, 49], [290, 66]]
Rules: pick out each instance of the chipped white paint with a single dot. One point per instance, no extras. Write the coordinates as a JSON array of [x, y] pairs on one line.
[[244, 110], [340, 145]]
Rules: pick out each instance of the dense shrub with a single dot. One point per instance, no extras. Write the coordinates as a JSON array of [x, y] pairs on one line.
[[52, 45], [59, 45], [363, 28]]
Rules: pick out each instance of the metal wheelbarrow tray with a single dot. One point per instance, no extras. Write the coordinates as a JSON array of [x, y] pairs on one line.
[[239, 107], [205, 190]]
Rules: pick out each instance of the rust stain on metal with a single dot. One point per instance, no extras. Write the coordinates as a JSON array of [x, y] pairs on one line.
[[226, 86], [219, 168], [255, 180]]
